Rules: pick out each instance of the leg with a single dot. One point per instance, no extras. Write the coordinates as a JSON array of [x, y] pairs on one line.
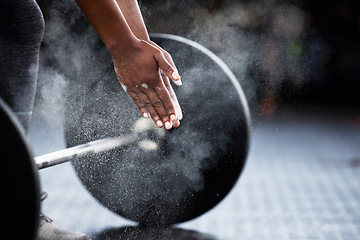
[[21, 31]]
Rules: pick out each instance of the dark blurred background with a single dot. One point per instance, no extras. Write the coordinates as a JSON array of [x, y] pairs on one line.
[[283, 52]]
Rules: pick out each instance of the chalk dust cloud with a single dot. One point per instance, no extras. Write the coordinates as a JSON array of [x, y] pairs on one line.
[[263, 42]]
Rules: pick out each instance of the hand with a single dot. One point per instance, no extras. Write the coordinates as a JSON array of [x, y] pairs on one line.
[[168, 85], [139, 68], [174, 99]]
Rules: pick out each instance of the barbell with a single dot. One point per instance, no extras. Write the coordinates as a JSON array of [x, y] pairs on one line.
[[195, 166], [146, 135]]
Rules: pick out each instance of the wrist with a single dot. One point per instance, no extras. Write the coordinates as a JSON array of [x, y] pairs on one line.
[[117, 47]]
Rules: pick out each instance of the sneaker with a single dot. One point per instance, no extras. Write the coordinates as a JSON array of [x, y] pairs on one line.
[[48, 231]]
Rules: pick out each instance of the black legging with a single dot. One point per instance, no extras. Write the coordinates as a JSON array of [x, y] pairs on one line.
[[21, 32]]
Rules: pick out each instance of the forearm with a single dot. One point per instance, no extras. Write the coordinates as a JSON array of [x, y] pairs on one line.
[[109, 22], [133, 16], [136, 59]]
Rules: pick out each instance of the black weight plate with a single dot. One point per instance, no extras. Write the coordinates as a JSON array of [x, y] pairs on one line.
[[196, 165], [19, 184]]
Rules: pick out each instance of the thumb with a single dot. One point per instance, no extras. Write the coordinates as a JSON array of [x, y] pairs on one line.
[[167, 69]]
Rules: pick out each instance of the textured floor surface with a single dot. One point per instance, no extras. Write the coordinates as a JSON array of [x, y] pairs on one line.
[[301, 181]]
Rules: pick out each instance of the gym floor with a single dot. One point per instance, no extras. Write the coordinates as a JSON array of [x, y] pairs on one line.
[[301, 181]]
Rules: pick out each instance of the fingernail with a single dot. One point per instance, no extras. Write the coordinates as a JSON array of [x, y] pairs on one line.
[[177, 124], [168, 125], [146, 115], [159, 123], [175, 75], [178, 82], [173, 118]]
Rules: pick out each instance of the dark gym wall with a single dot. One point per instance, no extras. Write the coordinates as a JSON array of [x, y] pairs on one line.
[[283, 52]]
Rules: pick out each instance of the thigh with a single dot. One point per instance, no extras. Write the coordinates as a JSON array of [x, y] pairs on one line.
[[21, 31]]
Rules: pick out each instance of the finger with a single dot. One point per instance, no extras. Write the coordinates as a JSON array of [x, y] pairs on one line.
[[173, 97], [160, 102], [167, 69], [176, 123], [167, 102], [166, 55], [147, 104], [139, 104], [166, 109], [169, 59]]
